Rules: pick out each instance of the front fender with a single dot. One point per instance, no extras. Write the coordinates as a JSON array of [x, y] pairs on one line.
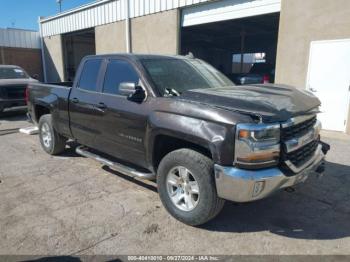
[[217, 137]]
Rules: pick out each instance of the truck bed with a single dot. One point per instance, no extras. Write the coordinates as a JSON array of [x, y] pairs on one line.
[[56, 95]]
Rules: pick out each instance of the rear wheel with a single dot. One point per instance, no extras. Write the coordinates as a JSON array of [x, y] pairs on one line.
[[186, 187], [51, 141]]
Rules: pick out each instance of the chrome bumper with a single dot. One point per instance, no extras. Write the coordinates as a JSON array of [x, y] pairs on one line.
[[241, 185]]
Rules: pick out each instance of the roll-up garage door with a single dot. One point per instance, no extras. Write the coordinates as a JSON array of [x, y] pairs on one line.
[[228, 9]]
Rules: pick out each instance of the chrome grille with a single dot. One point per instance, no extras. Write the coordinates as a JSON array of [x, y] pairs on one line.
[[293, 132], [302, 155]]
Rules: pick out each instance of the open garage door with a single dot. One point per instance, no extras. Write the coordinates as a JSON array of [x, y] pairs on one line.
[[76, 46], [236, 41], [227, 10]]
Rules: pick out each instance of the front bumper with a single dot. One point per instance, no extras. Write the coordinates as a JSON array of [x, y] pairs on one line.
[[241, 185]]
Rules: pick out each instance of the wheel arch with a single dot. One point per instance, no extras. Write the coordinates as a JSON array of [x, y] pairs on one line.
[[164, 144]]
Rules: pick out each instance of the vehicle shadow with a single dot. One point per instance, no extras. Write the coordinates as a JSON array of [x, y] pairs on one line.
[[146, 184], [53, 259], [72, 259], [70, 150], [318, 209]]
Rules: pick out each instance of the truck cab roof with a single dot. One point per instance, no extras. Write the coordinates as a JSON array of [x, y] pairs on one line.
[[136, 56]]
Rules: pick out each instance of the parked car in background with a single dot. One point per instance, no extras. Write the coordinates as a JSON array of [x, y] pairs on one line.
[[13, 83], [260, 73], [180, 121]]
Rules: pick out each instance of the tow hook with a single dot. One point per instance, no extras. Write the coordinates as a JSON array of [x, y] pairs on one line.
[[320, 170], [289, 189], [325, 147]]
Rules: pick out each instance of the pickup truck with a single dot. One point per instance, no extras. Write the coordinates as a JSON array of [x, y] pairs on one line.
[[179, 121]]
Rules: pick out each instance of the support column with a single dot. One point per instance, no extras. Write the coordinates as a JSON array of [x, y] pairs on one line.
[[242, 49], [127, 27], [2, 55], [42, 50]]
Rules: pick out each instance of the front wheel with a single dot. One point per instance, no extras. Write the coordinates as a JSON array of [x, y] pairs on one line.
[[186, 187], [51, 141]]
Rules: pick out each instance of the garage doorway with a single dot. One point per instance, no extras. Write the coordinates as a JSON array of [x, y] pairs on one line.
[[234, 46], [76, 46]]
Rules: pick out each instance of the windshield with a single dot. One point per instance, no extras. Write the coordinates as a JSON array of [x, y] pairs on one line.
[[174, 76], [12, 73]]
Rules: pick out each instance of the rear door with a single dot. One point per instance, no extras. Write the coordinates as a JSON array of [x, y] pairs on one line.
[[85, 112], [124, 123], [329, 79]]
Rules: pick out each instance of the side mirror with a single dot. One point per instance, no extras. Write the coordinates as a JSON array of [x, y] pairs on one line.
[[127, 88], [134, 92]]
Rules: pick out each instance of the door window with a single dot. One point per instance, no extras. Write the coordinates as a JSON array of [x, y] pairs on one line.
[[118, 71], [89, 75]]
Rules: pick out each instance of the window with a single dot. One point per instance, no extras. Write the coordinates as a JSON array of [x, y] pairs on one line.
[[249, 59], [118, 71], [89, 75], [12, 73]]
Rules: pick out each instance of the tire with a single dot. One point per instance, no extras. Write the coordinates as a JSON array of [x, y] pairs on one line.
[[203, 207], [55, 143]]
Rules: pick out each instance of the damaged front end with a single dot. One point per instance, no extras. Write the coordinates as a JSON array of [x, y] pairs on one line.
[[272, 157]]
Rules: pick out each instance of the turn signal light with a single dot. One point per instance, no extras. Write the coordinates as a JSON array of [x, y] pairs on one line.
[[259, 157]]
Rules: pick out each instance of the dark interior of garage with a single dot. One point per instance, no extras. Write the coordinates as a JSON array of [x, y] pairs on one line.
[[75, 46], [228, 45]]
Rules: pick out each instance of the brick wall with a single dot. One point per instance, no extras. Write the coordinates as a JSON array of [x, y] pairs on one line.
[[28, 59]]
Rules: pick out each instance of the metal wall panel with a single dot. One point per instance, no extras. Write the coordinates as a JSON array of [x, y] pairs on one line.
[[105, 12], [19, 38]]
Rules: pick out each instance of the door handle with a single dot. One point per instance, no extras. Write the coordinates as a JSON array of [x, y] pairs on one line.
[[75, 100], [101, 105]]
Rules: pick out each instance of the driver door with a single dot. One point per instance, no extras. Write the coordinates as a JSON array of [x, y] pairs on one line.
[[124, 123]]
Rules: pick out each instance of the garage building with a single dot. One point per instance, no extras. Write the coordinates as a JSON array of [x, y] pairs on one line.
[[21, 47], [307, 42]]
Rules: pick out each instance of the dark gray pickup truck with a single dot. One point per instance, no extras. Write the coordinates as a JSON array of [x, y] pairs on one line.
[[181, 122]]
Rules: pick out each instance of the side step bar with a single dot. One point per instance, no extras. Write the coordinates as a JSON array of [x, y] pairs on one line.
[[81, 150]]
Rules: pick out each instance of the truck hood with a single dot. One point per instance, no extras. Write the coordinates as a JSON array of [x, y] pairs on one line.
[[271, 103]]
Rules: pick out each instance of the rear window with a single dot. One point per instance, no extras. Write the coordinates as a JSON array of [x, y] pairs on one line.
[[12, 73], [261, 68], [89, 75]]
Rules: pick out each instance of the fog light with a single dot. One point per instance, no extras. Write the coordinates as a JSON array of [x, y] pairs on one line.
[[258, 188]]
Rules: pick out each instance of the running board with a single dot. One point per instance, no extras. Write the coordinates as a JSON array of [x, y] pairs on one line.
[[81, 150]]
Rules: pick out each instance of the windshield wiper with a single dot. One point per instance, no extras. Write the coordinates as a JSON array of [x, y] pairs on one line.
[[171, 92]]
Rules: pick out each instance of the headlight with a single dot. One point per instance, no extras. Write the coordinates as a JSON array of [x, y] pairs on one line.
[[257, 145]]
